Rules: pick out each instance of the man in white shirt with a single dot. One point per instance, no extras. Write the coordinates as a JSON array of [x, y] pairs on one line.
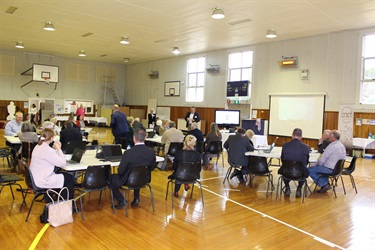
[[171, 135], [14, 126]]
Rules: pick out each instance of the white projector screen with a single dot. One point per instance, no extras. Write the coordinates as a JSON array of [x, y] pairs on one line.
[[290, 111]]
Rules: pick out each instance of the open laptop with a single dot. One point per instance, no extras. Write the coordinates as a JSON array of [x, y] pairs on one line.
[[71, 145], [112, 152], [76, 156], [267, 151], [151, 134]]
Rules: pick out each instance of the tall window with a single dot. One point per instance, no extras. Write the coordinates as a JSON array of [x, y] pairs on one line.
[[195, 79], [367, 91], [241, 67]]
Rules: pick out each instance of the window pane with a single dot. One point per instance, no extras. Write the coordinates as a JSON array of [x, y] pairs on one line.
[[201, 64], [369, 69], [247, 59], [199, 94], [192, 80], [246, 74], [235, 60], [235, 75], [368, 92], [369, 46], [192, 65], [200, 79], [190, 94]]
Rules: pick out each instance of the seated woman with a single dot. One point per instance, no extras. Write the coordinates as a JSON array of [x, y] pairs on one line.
[[250, 134], [80, 123], [159, 124], [27, 133], [213, 135], [188, 154], [43, 162]]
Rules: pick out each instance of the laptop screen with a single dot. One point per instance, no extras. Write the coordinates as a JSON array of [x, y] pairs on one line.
[[111, 150], [77, 155]]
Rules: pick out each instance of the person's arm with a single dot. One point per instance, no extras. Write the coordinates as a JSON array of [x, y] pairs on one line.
[[187, 116], [9, 129], [123, 164], [198, 118], [164, 138]]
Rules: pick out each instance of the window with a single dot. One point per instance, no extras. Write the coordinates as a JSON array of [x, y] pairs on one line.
[[241, 67], [195, 79], [367, 89]]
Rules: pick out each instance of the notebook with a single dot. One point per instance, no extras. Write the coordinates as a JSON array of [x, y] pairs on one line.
[[76, 156], [71, 145], [112, 152]]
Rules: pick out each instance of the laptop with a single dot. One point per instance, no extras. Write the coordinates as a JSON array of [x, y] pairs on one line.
[[267, 151], [76, 156], [151, 134], [71, 145], [112, 152]]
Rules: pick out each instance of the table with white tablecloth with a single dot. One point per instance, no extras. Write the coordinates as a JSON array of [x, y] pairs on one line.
[[258, 140], [364, 143]]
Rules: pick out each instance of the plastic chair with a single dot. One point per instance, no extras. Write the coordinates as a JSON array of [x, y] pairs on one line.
[[232, 166], [96, 178], [139, 177], [199, 147], [9, 180], [27, 150], [293, 171], [349, 170], [174, 147], [6, 153], [334, 176], [186, 173], [258, 166], [215, 149], [31, 186]]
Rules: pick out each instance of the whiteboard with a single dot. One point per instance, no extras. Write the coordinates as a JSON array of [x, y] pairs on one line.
[[164, 113]]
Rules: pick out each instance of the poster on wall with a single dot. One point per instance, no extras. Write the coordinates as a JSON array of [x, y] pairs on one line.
[[346, 119]]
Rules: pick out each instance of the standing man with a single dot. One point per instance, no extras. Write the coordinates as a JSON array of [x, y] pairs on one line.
[[334, 152], [295, 150], [119, 124], [324, 141], [191, 117], [237, 145], [14, 126], [139, 155]]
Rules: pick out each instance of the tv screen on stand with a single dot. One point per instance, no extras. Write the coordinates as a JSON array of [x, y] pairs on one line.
[[227, 118]]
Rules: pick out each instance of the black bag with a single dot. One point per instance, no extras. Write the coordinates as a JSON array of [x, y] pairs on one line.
[[44, 216]]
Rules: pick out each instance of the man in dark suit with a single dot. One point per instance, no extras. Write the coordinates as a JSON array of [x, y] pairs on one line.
[[324, 141], [69, 134], [119, 124], [237, 145], [139, 155], [295, 150], [191, 117], [196, 132], [151, 118]]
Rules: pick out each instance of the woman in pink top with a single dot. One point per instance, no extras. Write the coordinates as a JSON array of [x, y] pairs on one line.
[[81, 111], [43, 162]]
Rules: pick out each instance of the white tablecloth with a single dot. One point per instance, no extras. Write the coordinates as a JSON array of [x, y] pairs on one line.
[[258, 140], [364, 143]]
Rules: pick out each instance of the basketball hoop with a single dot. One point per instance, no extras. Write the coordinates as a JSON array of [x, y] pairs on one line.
[[46, 80]]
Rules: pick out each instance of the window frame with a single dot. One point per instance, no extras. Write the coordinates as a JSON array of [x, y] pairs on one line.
[[196, 73]]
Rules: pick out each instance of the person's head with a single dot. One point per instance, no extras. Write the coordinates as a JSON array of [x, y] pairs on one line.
[[33, 105], [194, 125], [214, 128], [172, 124], [249, 133], [46, 136], [166, 123], [115, 107], [192, 109], [54, 120], [71, 118], [159, 123], [137, 119], [130, 120], [297, 133], [19, 117], [68, 124], [79, 117], [241, 131], [51, 116], [326, 134], [48, 124], [81, 106], [189, 142], [139, 135], [152, 111], [334, 135], [27, 127]]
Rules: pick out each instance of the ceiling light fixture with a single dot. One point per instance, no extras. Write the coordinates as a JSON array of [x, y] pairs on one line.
[[126, 60], [82, 53], [49, 26], [217, 13], [19, 45], [176, 51], [271, 33], [124, 40]]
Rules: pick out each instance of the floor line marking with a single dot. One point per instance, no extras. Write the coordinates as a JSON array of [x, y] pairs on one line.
[[38, 237], [277, 220]]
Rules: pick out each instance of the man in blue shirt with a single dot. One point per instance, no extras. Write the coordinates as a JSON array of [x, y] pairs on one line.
[[14, 126], [335, 151]]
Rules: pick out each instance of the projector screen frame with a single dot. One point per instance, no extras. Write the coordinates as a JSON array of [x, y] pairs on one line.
[[306, 131]]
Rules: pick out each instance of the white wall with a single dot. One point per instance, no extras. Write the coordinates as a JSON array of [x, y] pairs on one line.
[[332, 60]]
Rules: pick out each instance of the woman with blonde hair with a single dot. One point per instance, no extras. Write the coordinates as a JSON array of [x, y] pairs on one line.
[[43, 162], [249, 133], [188, 154]]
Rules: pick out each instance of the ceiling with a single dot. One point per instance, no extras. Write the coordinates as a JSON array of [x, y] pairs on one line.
[[154, 27]]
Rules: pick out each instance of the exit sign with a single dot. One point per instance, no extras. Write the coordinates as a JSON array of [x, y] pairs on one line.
[[236, 101]]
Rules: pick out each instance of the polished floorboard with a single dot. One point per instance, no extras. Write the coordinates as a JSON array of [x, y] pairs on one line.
[[228, 219]]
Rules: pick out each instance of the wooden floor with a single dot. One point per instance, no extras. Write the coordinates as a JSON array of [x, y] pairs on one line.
[[229, 219]]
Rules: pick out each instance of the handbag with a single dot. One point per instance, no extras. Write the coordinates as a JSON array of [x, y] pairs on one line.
[[60, 212]]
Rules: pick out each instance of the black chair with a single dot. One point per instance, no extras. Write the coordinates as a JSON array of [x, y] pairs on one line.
[[31, 186], [215, 149], [292, 171], [186, 173], [232, 166], [174, 147], [199, 147], [27, 150], [96, 178], [9, 180], [349, 170], [124, 143], [6, 153], [139, 177], [334, 176], [258, 166]]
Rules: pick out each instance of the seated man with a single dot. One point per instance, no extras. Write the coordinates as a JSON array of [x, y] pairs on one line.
[[138, 124], [237, 145], [324, 141], [171, 135], [69, 134], [139, 155], [13, 127], [295, 150], [196, 132], [334, 152]]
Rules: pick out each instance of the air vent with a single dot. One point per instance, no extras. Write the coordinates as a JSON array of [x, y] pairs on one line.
[[11, 10], [154, 75], [87, 34]]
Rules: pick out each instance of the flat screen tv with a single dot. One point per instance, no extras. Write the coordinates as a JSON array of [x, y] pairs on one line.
[[227, 118]]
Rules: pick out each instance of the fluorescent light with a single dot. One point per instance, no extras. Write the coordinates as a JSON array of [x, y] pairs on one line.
[[82, 53], [126, 60], [176, 51], [124, 40], [49, 26], [19, 45], [217, 13], [271, 33]]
